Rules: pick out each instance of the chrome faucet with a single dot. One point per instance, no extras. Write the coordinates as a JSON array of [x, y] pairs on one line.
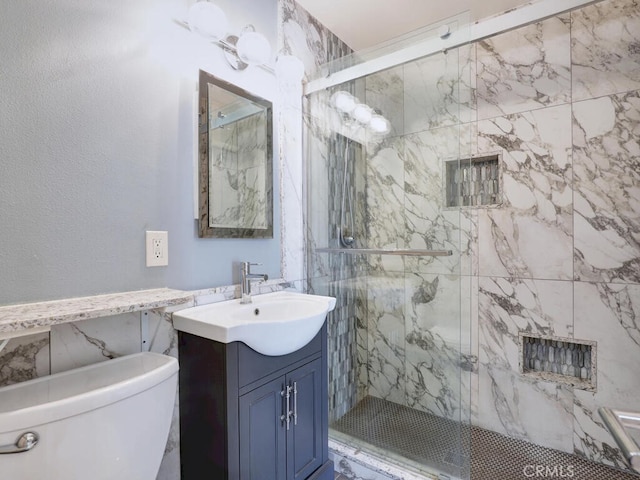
[[247, 278]]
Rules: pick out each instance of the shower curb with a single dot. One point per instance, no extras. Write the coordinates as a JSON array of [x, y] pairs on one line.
[[383, 469]]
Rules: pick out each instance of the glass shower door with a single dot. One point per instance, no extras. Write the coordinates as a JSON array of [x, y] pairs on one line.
[[388, 239]]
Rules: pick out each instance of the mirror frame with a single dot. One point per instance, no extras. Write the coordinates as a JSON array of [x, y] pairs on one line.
[[204, 229]]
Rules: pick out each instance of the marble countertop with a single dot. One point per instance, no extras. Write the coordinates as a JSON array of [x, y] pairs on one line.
[[33, 317]]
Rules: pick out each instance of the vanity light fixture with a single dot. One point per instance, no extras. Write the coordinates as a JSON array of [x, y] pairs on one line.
[[248, 48]]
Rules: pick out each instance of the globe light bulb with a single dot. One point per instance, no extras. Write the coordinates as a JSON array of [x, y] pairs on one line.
[[253, 48], [208, 20]]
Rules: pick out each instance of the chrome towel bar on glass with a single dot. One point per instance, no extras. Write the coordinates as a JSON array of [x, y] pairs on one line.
[[376, 251]]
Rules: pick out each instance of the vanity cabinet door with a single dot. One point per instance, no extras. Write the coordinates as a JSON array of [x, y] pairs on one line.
[[262, 433], [304, 439], [269, 448]]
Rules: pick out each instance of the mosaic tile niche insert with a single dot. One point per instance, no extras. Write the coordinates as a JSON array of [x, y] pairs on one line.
[[572, 362], [473, 181]]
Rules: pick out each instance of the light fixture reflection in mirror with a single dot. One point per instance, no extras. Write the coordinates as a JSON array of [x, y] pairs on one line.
[[362, 113], [350, 109], [343, 101], [379, 124], [247, 48]]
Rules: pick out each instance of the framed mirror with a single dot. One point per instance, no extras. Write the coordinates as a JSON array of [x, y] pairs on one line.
[[235, 166]]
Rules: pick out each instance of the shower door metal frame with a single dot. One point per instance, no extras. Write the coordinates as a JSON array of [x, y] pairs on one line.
[[485, 28]]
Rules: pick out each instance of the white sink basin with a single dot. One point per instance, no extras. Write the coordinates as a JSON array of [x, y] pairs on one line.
[[274, 324]]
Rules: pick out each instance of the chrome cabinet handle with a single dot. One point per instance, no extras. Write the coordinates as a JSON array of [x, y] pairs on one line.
[[25, 443], [295, 403], [287, 416]]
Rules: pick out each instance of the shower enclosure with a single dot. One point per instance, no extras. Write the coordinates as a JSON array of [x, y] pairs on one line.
[[387, 173]]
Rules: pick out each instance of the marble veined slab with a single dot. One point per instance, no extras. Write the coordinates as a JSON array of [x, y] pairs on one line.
[[38, 315]]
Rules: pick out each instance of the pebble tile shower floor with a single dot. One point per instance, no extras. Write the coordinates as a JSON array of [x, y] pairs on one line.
[[433, 441]]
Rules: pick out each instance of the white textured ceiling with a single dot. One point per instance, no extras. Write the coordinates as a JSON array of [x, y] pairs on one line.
[[365, 23]]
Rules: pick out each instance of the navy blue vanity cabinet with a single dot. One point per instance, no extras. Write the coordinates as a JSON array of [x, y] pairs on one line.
[[263, 441], [247, 416]]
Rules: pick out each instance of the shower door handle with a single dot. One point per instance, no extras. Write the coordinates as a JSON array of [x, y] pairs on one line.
[[25, 443]]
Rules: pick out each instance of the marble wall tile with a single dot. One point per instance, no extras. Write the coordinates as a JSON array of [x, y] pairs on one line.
[[469, 241], [537, 210], [385, 205], [24, 358], [609, 314], [384, 91], [305, 37], [523, 249], [604, 48], [319, 227], [523, 80], [509, 402], [301, 35], [525, 69], [78, 344], [385, 195], [429, 225], [607, 198], [163, 338], [436, 91], [357, 470], [340, 178], [468, 83], [354, 463], [347, 209], [437, 349], [342, 331], [470, 327], [386, 337], [467, 217], [170, 465], [362, 341], [508, 306], [290, 170], [527, 409]]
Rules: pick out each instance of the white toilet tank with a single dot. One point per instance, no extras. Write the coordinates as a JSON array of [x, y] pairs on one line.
[[105, 421]]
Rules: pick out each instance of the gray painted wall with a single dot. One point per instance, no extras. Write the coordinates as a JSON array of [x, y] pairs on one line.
[[96, 147]]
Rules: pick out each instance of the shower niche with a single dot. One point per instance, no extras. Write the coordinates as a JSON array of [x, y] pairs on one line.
[[473, 182], [561, 360]]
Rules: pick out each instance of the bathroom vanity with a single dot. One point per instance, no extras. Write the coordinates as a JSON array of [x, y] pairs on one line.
[[245, 415]]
